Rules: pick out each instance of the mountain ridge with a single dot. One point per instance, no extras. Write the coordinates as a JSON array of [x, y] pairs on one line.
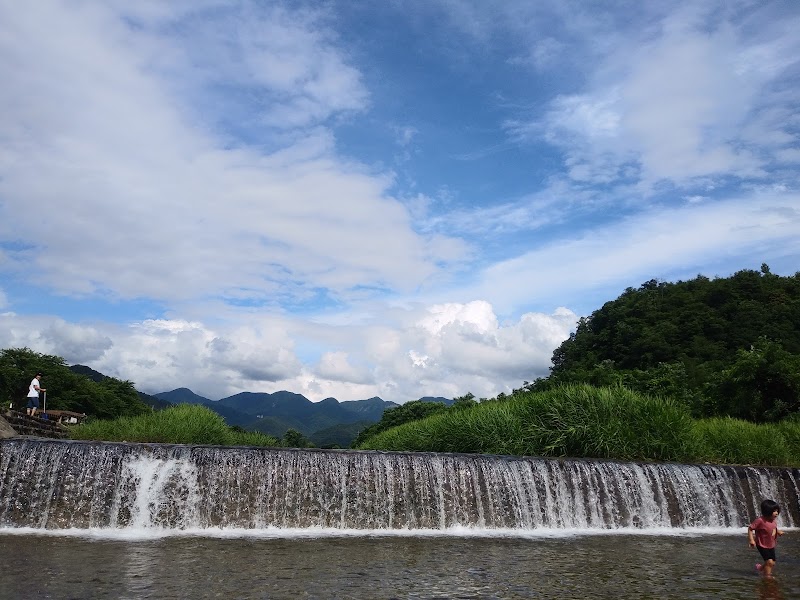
[[326, 422]]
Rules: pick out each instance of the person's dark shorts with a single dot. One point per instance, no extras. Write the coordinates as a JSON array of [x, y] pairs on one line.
[[766, 553], [33, 402]]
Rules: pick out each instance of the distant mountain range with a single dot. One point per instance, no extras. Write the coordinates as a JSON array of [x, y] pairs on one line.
[[277, 412], [326, 423]]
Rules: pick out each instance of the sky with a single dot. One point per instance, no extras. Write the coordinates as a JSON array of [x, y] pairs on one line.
[[400, 199]]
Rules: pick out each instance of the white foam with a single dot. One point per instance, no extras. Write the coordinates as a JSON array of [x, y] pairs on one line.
[[136, 534]]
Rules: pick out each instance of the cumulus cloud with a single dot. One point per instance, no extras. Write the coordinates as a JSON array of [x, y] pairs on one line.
[[130, 198], [265, 355], [211, 160], [50, 335], [467, 338], [445, 349], [76, 343], [335, 366]]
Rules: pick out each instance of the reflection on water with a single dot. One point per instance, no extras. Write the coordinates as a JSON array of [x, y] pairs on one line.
[[615, 566], [138, 570]]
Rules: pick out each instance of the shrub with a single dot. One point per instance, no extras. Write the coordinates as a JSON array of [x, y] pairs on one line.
[[610, 422], [734, 441], [182, 424], [573, 420]]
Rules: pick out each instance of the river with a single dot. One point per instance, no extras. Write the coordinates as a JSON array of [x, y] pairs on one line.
[[276, 565], [130, 521]]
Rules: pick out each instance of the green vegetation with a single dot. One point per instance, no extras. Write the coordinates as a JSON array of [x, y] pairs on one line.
[[392, 417], [696, 371], [580, 420], [573, 420], [723, 347], [105, 399], [726, 440], [294, 439], [338, 436], [182, 424]]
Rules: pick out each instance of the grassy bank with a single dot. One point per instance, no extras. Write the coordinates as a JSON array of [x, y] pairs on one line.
[[733, 441], [182, 424], [586, 421]]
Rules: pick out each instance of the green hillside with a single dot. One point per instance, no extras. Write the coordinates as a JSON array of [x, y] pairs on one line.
[[338, 436], [104, 398], [97, 376], [706, 370], [723, 347]]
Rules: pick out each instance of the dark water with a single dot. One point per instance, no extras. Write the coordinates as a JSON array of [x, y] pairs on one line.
[[610, 566]]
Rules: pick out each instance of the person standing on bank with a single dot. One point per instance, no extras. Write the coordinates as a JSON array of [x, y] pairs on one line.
[[33, 394]]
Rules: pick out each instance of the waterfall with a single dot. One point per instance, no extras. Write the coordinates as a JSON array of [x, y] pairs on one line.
[[60, 484]]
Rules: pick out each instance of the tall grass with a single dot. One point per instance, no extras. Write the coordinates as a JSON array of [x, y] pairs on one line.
[[790, 430], [575, 420], [489, 429], [734, 441], [182, 424], [611, 422], [585, 421]]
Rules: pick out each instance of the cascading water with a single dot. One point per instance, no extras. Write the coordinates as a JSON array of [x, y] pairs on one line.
[[57, 485]]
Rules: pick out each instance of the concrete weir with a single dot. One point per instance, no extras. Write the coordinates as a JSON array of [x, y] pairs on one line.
[[52, 484]]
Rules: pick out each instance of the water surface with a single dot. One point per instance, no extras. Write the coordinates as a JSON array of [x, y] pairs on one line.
[[598, 566]]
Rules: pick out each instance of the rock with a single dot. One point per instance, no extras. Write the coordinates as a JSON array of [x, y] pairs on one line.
[[6, 430]]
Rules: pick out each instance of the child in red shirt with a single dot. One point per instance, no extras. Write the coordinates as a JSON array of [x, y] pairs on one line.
[[763, 535]]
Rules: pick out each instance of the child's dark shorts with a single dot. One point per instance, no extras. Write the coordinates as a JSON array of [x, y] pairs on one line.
[[766, 553]]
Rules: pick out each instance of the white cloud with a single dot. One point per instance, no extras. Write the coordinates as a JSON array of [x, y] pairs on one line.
[[441, 350], [130, 198], [335, 366], [695, 199], [694, 97], [757, 227], [197, 164], [405, 134], [75, 343], [788, 156], [80, 343], [467, 339]]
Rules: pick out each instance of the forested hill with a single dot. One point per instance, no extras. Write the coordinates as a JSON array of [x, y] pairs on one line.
[[725, 346], [78, 389], [98, 377]]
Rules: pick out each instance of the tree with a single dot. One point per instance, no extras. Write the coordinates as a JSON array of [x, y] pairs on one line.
[[397, 415], [294, 439], [464, 401], [762, 384], [19, 365], [685, 340], [107, 399]]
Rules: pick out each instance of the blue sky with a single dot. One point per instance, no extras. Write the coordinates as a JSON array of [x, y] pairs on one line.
[[401, 198]]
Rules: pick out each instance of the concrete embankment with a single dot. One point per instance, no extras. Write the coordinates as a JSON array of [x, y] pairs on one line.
[[14, 424]]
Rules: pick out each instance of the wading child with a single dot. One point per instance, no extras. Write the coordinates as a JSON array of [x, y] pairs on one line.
[[763, 535]]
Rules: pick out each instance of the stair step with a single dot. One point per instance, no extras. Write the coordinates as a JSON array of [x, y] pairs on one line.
[[35, 426]]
